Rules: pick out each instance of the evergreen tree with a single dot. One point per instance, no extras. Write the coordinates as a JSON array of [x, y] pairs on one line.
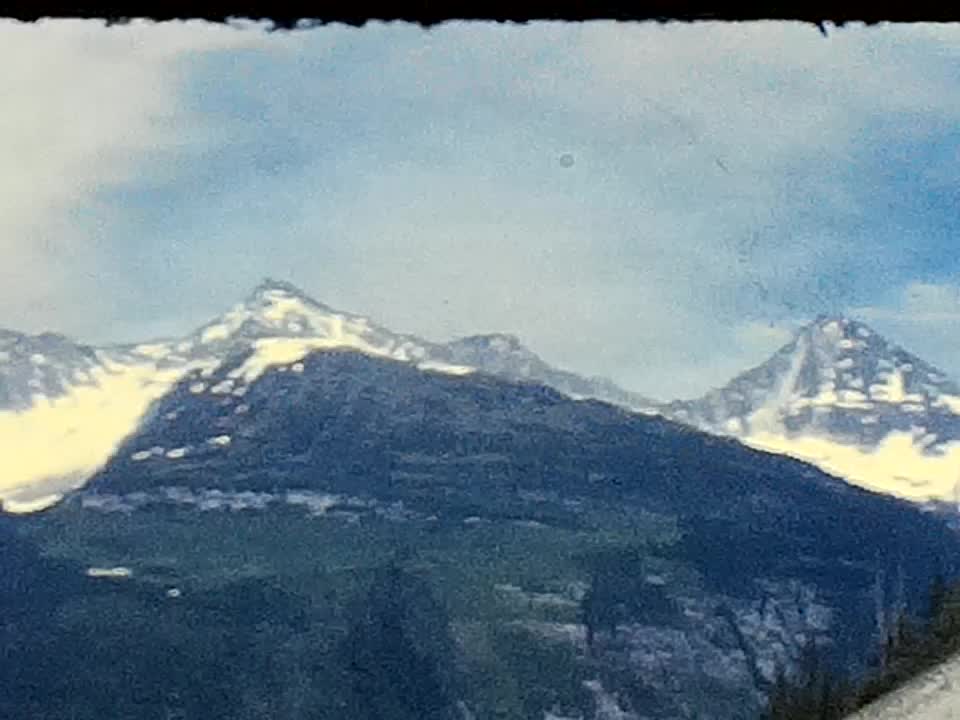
[[397, 652]]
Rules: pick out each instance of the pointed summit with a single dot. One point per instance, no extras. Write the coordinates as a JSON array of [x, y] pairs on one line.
[[839, 327], [268, 283], [833, 339], [274, 308], [270, 290], [843, 397], [504, 354], [496, 352], [833, 366], [827, 318], [504, 343]]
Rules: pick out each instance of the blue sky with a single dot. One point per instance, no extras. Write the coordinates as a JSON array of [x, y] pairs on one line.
[[729, 182]]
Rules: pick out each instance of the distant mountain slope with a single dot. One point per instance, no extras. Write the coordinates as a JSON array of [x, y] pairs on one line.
[[46, 364], [358, 419], [838, 395], [781, 554], [678, 571], [505, 356], [842, 397], [64, 407]]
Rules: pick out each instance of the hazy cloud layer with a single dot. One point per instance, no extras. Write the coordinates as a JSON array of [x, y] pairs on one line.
[[83, 109], [719, 183]]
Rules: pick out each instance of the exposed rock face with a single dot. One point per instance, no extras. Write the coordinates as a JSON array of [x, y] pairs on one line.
[[716, 661]]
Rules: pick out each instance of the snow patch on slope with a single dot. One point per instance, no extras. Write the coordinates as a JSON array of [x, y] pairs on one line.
[[897, 466], [273, 352], [893, 391], [154, 351], [767, 418], [56, 444], [446, 369], [228, 324], [951, 402]]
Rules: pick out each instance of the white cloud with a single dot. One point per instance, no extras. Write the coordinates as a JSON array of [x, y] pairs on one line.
[[705, 156], [83, 108], [698, 148]]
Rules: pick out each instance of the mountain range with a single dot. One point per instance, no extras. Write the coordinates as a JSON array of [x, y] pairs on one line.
[[232, 496], [838, 395], [64, 406]]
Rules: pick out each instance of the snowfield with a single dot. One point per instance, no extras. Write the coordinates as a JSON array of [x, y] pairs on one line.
[[55, 445]]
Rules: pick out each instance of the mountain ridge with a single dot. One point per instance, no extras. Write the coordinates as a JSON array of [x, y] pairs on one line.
[[682, 567], [841, 396], [837, 395], [366, 440], [275, 326]]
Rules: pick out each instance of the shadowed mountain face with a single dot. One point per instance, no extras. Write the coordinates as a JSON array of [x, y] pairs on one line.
[[780, 549], [842, 397], [351, 422], [594, 560], [83, 401]]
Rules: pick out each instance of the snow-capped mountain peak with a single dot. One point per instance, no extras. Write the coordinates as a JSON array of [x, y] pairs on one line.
[[271, 300], [843, 397], [273, 308], [270, 286], [830, 364], [505, 355], [495, 352], [62, 428]]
